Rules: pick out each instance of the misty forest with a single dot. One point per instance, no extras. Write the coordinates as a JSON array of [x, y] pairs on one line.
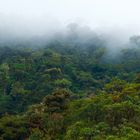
[[69, 70], [73, 87]]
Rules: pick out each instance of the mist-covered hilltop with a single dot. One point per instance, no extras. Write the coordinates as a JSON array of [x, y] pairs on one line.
[[69, 70], [73, 86]]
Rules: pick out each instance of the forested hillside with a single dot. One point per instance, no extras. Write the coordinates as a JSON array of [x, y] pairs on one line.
[[67, 90]]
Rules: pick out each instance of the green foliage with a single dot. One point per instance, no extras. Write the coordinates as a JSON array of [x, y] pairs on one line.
[[63, 83], [68, 92], [13, 128]]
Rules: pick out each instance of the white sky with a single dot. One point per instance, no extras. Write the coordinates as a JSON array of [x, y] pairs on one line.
[[94, 13]]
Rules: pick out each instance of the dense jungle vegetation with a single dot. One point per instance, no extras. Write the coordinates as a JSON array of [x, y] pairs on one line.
[[70, 91]]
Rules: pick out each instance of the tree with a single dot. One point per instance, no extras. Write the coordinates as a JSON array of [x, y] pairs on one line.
[[4, 77], [57, 102]]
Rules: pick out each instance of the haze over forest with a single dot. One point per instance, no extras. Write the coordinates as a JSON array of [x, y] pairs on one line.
[[33, 18], [69, 70]]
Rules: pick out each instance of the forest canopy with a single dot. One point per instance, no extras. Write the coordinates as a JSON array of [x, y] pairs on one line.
[[70, 90]]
